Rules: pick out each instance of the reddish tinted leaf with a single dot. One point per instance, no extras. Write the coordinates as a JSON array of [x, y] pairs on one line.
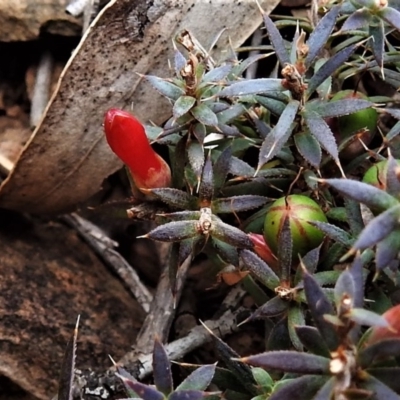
[[378, 228], [279, 135], [391, 15], [259, 269], [330, 67], [363, 193], [198, 379], [321, 131], [252, 86], [320, 35], [174, 231], [308, 147], [276, 40], [290, 361], [162, 369], [204, 115]]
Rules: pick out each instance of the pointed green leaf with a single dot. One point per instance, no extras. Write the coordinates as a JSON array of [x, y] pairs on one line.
[[182, 215], [229, 234], [387, 375], [387, 250], [252, 86], [378, 41], [334, 232], [290, 361], [238, 167], [295, 318], [199, 379], [285, 247], [221, 168], [204, 115], [259, 269], [339, 107], [206, 189], [196, 157], [164, 87], [308, 147], [187, 395], [320, 35], [217, 74], [162, 368], [345, 287], [174, 231], [126, 377], [356, 271], [326, 390], [227, 252], [312, 340], [329, 68], [200, 132], [321, 131], [174, 197], [365, 317], [379, 228], [271, 308], [364, 193], [319, 305], [276, 40], [231, 113], [183, 105], [143, 391], [306, 385], [391, 16], [274, 142], [238, 203], [353, 216]]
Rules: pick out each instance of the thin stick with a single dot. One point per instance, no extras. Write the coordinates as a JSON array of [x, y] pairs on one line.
[[104, 247]]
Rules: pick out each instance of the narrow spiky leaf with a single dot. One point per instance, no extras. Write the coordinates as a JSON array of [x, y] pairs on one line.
[[311, 259], [187, 395], [206, 190], [295, 318], [204, 115], [345, 286], [378, 41], [320, 35], [312, 340], [321, 131], [379, 351], [306, 385], [174, 231], [364, 193], [162, 368], [319, 305], [274, 142], [200, 132], [65, 388], [379, 228], [182, 215], [368, 318], [308, 147], [179, 60], [356, 271], [196, 158], [126, 377], [271, 308], [326, 390], [238, 203], [164, 87], [221, 168], [229, 234], [334, 232], [354, 216], [285, 248], [330, 67], [231, 113], [260, 269], [339, 107], [239, 167], [144, 392], [290, 361], [217, 74], [174, 197], [199, 379], [359, 19], [227, 252], [391, 16], [276, 40], [183, 105], [252, 86]]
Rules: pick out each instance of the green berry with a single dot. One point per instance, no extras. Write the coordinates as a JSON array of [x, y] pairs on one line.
[[300, 210], [376, 175]]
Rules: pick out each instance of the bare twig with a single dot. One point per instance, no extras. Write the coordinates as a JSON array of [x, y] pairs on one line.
[[104, 247], [41, 90]]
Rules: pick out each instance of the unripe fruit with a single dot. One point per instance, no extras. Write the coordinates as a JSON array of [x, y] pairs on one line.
[[376, 175], [127, 139], [300, 210], [378, 333], [362, 123]]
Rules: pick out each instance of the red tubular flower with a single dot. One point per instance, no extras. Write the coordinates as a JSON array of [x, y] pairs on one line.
[[127, 139]]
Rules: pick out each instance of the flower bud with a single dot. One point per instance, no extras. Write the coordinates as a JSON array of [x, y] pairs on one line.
[[127, 138]]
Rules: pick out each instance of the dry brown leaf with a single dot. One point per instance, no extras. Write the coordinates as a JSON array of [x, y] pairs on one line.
[[47, 278], [67, 157]]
